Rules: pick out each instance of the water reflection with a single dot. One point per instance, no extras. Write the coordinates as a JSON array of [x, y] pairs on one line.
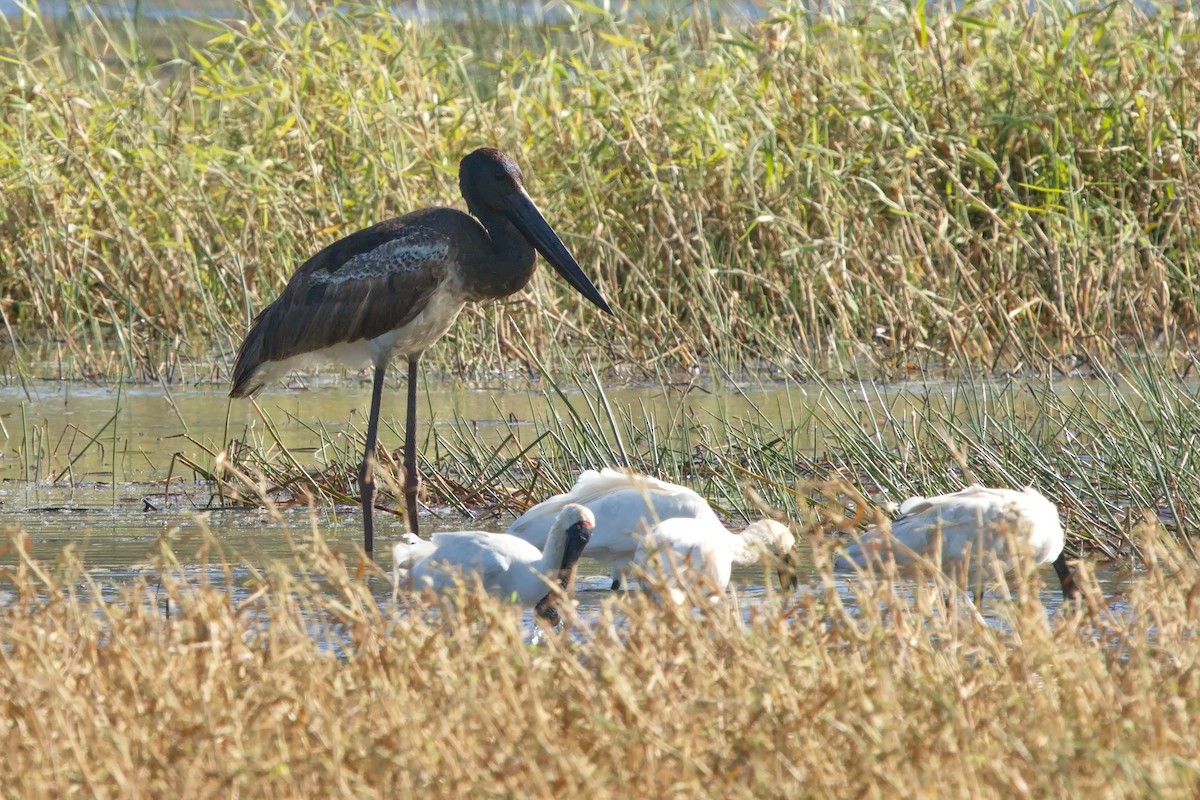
[[98, 436], [69, 446]]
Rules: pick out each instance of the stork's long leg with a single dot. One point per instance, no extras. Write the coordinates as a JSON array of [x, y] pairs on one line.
[[366, 474], [412, 481]]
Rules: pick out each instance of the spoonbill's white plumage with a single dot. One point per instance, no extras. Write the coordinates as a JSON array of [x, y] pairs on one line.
[[627, 506], [703, 553], [974, 526], [508, 568], [411, 549]]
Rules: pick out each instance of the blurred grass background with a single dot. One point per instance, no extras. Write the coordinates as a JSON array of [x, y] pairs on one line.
[[992, 185]]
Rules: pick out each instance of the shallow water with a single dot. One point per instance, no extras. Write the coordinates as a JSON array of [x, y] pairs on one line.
[[119, 547], [136, 430], [84, 467], [62, 443]]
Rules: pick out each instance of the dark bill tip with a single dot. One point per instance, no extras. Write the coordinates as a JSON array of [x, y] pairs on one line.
[[1069, 588], [787, 579], [533, 225], [548, 611]]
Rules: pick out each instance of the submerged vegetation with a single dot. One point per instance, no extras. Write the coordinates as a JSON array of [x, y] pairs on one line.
[[997, 185], [295, 681], [1106, 451]]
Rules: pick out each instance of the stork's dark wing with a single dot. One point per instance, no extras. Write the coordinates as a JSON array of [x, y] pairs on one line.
[[359, 287]]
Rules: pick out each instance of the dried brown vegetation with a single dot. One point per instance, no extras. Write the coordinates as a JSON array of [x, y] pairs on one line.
[[275, 685]]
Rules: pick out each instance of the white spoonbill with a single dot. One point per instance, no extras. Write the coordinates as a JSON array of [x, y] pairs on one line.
[[680, 549], [628, 505], [975, 525], [509, 568]]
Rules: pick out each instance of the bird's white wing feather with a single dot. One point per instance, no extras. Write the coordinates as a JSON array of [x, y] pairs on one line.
[[490, 556], [974, 521], [625, 506], [688, 550]]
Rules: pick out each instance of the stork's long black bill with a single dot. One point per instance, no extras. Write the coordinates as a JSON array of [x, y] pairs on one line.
[[533, 225], [785, 570]]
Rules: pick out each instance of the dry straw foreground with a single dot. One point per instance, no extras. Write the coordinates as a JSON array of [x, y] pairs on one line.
[[284, 686]]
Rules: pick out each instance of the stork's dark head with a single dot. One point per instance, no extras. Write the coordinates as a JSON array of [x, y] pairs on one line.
[[491, 183], [488, 176]]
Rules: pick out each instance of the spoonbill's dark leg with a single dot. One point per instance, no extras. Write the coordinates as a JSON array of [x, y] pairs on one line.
[[412, 481], [1069, 589], [366, 475]]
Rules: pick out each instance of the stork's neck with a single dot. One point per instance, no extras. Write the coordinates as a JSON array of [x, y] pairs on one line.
[[507, 267], [552, 555]]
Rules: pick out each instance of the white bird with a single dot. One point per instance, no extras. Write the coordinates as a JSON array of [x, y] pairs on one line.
[[974, 526], [508, 568], [699, 552], [629, 505]]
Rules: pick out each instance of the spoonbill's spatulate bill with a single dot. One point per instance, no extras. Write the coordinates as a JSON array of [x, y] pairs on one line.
[[508, 568], [396, 287], [629, 505], [974, 526]]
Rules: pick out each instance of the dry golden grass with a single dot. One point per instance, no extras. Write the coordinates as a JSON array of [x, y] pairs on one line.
[[234, 696]]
